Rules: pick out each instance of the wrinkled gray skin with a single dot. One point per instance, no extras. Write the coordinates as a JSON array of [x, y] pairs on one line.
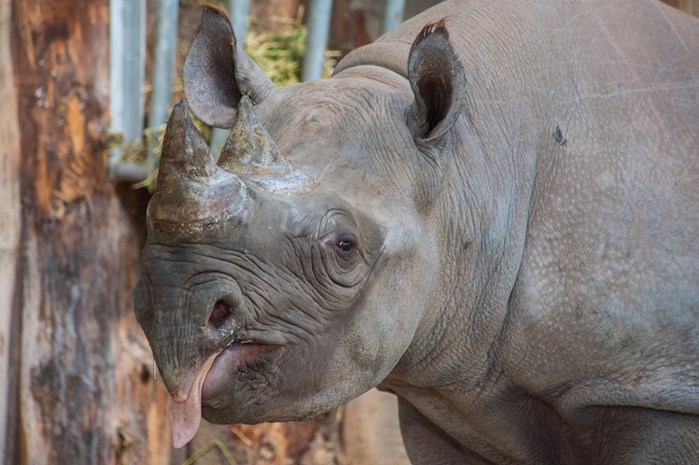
[[520, 202]]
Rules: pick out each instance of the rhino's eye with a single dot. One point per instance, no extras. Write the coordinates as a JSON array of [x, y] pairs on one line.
[[345, 245]]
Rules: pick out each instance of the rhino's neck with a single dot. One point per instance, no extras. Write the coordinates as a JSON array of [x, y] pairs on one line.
[[452, 374], [481, 219]]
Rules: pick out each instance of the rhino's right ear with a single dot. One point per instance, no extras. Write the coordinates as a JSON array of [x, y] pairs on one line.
[[217, 72], [438, 83]]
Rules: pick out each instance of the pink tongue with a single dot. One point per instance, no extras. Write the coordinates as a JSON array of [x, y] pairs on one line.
[[185, 415]]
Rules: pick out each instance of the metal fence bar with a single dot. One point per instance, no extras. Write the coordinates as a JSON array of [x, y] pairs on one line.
[[317, 41], [127, 56], [392, 15], [239, 11], [165, 41]]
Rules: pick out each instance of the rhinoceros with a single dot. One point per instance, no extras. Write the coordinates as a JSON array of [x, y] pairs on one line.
[[491, 212]]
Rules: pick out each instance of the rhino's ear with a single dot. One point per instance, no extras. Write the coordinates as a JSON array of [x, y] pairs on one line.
[[438, 82], [217, 72]]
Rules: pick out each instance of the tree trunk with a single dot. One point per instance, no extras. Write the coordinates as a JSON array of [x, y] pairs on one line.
[[691, 7], [275, 15], [9, 239], [87, 394]]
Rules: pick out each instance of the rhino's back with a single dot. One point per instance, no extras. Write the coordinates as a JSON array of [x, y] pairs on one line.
[[556, 32]]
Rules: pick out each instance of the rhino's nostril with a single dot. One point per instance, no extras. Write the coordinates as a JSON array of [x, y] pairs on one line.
[[219, 314]]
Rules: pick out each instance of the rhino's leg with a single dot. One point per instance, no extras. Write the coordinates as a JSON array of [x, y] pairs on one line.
[[635, 435], [428, 445]]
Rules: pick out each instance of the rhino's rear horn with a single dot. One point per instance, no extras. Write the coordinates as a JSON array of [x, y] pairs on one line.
[[250, 152], [249, 143]]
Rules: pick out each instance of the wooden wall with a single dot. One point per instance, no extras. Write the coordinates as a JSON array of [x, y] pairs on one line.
[[690, 7], [86, 389]]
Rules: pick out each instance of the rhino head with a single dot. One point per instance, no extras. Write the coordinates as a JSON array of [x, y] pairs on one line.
[[293, 274]]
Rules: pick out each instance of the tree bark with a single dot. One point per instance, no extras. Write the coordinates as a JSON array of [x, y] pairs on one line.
[[691, 7], [9, 238], [275, 15], [87, 394]]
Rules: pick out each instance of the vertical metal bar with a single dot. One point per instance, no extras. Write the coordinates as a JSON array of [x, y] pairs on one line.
[[317, 41], [239, 11], [166, 39], [392, 15], [127, 57]]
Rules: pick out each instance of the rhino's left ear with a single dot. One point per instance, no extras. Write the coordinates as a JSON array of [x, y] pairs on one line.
[[217, 72], [438, 82]]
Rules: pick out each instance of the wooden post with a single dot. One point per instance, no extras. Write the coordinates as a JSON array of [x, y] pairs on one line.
[[275, 15], [87, 393], [9, 240], [691, 7]]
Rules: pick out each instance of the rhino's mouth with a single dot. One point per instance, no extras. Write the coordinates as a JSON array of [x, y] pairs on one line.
[[237, 357], [214, 379]]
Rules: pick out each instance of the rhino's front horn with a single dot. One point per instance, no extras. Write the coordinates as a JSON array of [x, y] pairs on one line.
[[251, 152], [192, 193], [185, 155]]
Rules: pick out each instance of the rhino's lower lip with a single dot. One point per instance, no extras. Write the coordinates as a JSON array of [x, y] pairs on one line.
[[235, 357]]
